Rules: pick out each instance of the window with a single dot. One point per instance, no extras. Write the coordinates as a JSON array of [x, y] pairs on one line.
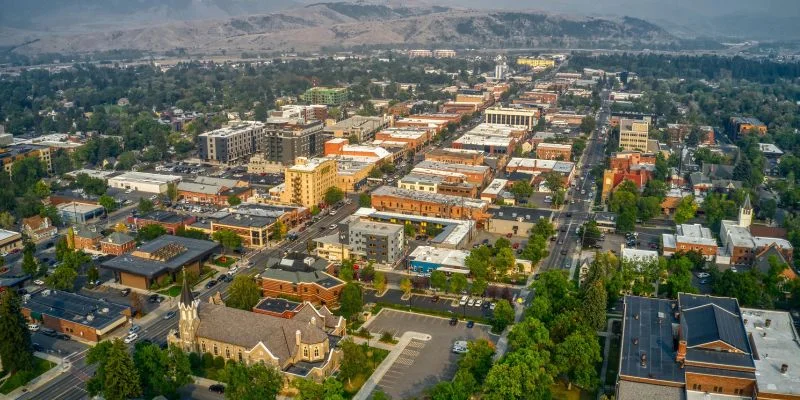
[[203, 346], [305, 352], [216, 351], [227, 353], [240, 356], [316, 352]]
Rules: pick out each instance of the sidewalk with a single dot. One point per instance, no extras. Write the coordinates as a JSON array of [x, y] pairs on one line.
[[386, 364], [40, 380]]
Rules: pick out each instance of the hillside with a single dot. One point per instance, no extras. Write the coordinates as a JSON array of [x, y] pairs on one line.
[[345, 25]]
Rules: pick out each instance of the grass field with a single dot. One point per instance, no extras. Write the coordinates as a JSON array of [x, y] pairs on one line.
[[21, 378], [171, 291]]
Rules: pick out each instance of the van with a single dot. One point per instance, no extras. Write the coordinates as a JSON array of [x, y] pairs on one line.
[[463, 301]]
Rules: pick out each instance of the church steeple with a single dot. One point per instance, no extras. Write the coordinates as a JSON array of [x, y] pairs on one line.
[[746, 213], [187, 298], [189, 317]]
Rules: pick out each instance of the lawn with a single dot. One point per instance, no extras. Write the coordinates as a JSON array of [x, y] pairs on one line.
[[171, 291], [375, 358], [21, 378], [225, 261]]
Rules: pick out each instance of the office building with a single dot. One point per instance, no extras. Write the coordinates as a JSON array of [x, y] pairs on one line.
[[444, 53], [512, 116], [143, 182], [380, 242], [307, 181], [324, 95], [443, 232], [170, 220], [420, 53], [690, 237], [10, 241], [536, 62], [216, 191], [478, 175], [78, 213], [358, 127], [388, 198], [455, 156], [281, 144], [554, 151], [230, 144], [633, 134], [254, 230], [81, 317]]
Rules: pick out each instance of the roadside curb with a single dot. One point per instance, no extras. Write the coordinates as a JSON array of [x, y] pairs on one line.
[[386, 364]]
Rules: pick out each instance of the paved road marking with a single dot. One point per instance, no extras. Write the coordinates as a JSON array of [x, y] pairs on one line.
[[405, 361], [410, 353], [415, 344]]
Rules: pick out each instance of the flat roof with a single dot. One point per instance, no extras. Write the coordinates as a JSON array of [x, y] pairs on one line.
[[145, 177], [195, 249], [277, 305], [774, 346], [239, 127], [429, 197], [510, 213], [94, 173], [169, 217], [310, 164], [637, 255], [474, 169], [554, 146], [375, 228], [245, 221], [653, 340], [6, 234], [75, 207], [739, 236], [483, 140], [76, 308], [438, 255], [496, 186], [453, 233]]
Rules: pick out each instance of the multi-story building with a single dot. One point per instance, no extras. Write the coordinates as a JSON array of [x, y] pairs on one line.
[[387, 198], [230, 144], [352, 173], [306, 113], [493, 145], [627, 166], [678, 133], [415, 138], [535, 166], [633, 134], [494, 190], [84, 238], [478, 175], [307, 181], [420, 53], [554, 151], [254, 230], [744, 125], [10, 241], [452, 184], [13, 153], [282, 143], [690, 237], [455, 156], [170, 220], [38, 228], [362, 128], [536, 62], [216, 191], [85, 318], [739, 243], [324, 95], [443, 232], [341, 147], [444, 53], [512, 116], [540, 96], [380, 242], [117, 243], [301, 346], [306, 277]]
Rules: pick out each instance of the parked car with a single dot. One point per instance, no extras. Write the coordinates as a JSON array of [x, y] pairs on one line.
[[470, 324], [435, 299], [125, 292], [33, 327], [217, 388], [478, 302], [232, 270], [471, 302], [63, 336], [453, 321], [702, 275], [492, 306], [211, 284], [134, 329], [38, 282], [49, 332], [463, 300]]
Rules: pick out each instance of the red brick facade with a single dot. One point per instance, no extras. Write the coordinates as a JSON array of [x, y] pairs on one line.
[[305, 291]]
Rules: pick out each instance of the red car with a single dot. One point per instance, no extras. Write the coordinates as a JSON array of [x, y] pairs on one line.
[[515, 245], [508, 235]]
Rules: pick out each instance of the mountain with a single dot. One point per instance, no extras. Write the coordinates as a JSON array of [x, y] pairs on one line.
[[343, 25]]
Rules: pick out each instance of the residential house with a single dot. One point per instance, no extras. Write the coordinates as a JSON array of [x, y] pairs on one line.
[[38, 228]]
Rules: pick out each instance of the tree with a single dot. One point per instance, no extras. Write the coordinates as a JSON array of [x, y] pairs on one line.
[[251, 382], [520, 375], [333, 195], [588, 124], [6, 220], [62, 278], [41, 189], [439, 280], [347, 271], [260, 112], [29, 265], [15, 338], [589, 233], [161, 371], [406, 286], [479, 286], [379, 283], [330, 389], [234, 200], [145, 206], [172, 191], [62, 246], [108, 202], [278, 230], [478, 359], [119, 379], [92, 274], [150, 232], [409, 230], [503, 315], [576, 358], [62, 163], [228, 239], [351, 300], [26, 172], [243, 293], [458, 283], [191, 233], [594, 305], [685, 210], [364, 200], [522, 189], [649, 207], [354, 358]]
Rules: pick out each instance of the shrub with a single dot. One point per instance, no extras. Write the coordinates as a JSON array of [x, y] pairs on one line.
[[196, 363], [363, 332], [219, 362], [208, 360], [387, 337]]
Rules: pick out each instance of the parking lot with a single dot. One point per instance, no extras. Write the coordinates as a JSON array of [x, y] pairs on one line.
[[422, 364], [393, 296]]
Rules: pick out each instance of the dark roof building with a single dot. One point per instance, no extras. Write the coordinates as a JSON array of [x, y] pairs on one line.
[[77, 315], [308, 278]]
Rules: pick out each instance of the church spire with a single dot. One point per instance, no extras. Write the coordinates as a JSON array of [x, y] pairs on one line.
[[187, 298], [747, 205]]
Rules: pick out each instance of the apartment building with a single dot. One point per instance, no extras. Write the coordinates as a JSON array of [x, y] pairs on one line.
[[512, 116], [387, 198], [414, 137], [554, 151], [282, 143], [475, 174], [627, 166], [324, 95], [230, 144], [253, 229], [444, 53], [420, 53], [678, 133], [362, 128], [690, 237], [536, 62], [13, 153], [307, 181], [744, 125], [380, 242], [633, 134]]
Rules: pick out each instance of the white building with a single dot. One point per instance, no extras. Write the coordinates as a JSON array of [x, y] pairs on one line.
[[143, 182]]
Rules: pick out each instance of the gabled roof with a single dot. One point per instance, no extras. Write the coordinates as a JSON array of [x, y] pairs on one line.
[[706, 319]]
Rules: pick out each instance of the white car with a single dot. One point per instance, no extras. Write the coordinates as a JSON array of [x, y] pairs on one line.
[[463, 301], [232, 270], [492, 306], [33, 327], [333, 212], [702, 275], [333, 226], [131, 338], [478, 302], [38, 282], [471, 302]]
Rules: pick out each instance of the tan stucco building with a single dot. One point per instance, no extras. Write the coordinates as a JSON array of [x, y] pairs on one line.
[[307, 181]]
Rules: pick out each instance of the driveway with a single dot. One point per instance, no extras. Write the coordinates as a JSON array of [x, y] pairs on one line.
[[422, 364]]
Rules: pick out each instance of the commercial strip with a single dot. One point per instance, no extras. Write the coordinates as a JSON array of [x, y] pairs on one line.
[[387, 198], [73, 314], [452, 233], [143, 182]]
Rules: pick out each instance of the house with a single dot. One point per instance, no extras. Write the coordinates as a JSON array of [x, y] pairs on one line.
[[86, 318], [117, 243], [303, 345], [38, 228], [160, 260], [84, 238], [308, 278]]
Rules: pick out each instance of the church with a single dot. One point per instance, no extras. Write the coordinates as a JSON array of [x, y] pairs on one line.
[[301, 343], [743, 246]]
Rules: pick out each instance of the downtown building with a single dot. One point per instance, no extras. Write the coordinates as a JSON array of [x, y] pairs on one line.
[[230, 144]]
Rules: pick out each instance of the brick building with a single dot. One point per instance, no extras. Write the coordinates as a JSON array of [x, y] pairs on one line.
[[171, 221], [216, 191], [84, 238], [554, 151], [455, 156], [308, 279], [690, 237], [78, 316], [387, 198], [117, 243]]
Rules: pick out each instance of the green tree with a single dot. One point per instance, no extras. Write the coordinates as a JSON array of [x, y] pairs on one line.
[[62, 163], [478, 359], [589, 233], [243, 293], [150, 232], [253, 382], [26, 172], [351, 300], [92, 274], [278, 230], [161, 371], [330, 389], [29, 265], [354, 360], [347, 271], [120, 378], [458, 283], [503, 315], [172, 191], [234, 200], [62, 278], [649, 208], [6, 220], [41, 189], [191, 233], [685, 210], [479, 286], [145, 206], [523, 374], [15, 338], [576, 357], [461, 387], [364, 200], [536, 248], [439, 280], [594, 305], [409, 230], [108, 202], [479, 261], [62, 247], [379, 283], [333, 195], [522, 189], [228, 239], [588, 124], [406, 286]]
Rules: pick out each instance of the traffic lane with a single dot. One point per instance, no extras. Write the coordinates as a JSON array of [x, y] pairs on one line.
[[196, 391], [56, 346]]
